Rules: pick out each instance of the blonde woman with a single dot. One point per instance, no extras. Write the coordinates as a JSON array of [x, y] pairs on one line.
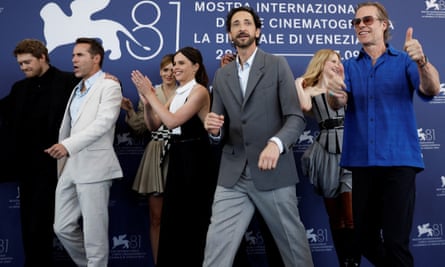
[[320, 162]]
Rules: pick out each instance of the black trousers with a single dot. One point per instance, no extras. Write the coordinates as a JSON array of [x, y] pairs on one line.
[[383, 205], [37, 219]]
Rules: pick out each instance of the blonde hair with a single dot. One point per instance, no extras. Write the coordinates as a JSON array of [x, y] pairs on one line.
[[314, 70]]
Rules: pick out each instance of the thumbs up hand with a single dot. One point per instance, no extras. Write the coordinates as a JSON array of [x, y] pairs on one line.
[[413, 48]]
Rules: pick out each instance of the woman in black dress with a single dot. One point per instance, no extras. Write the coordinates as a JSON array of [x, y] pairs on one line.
[[191, 177]]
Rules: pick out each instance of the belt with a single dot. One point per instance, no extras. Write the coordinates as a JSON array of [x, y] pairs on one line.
[[331, 123], [179, 139]]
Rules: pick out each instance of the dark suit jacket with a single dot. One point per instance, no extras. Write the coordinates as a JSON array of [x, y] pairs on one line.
[[269, 108], [15, 143]]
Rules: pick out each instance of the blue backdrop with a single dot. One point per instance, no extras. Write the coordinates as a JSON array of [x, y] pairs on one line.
[[136, 34]]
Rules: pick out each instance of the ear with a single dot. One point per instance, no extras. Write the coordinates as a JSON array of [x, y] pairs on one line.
[[386, 24], [96, 58], [257, 33], [196, 67]]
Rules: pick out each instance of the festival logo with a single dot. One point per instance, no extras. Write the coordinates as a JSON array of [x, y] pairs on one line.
[[429, 234], [440, 189], [125, 246], [434, 9], [124, 139], [319, 239], [14, 201], [4, 251], [305, 140], [427, 138], [120, 241], [126, 144], [311, 237], [424, 229], [306, 137], [81, 23], [252, 239]]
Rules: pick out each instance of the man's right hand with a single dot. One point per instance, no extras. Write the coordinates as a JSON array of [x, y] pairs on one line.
[[126, 104], [213, 123], [227, 58]]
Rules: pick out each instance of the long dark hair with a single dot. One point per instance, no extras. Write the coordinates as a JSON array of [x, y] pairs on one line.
[[194, 55]]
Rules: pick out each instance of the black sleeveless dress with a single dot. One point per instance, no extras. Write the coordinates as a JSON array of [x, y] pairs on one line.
[[188, 196]]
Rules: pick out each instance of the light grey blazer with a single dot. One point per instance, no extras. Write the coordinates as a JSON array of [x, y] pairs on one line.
[[269, 108], [90, 140]]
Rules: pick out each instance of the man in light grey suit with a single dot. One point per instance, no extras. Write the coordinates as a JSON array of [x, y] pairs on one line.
[[256, 116], [87, 162]]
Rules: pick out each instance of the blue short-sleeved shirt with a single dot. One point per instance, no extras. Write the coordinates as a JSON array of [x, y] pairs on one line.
[[380, 125]]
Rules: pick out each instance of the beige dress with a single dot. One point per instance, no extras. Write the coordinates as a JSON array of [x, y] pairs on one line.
[[151, 175]]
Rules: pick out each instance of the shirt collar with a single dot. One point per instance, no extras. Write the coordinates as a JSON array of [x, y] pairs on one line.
[[88, 82], [390, 50], [248, 61], [182, 89]]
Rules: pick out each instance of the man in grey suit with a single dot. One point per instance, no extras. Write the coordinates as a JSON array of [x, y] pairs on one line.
[[87, 162], [257, 118]]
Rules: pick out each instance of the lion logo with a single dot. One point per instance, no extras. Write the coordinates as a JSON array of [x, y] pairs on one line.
[[61, 29]]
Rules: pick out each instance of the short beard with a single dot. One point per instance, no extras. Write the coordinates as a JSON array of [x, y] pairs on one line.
[[249, 42]]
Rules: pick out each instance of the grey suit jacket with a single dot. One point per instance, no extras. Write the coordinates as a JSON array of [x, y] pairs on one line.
[[269, 108], [90, 140]]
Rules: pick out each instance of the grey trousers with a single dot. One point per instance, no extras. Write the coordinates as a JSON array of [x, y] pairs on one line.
[[232, 211], [89, 245]]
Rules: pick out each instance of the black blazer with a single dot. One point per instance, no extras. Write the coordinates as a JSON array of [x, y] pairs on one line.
[[14, 148]]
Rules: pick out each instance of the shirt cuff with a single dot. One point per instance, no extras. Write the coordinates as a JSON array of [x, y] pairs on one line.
[[277, 141], [215, 139]]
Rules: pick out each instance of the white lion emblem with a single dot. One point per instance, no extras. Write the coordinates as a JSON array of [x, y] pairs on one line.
[[431, 4], [124, 138], [421, 134], [120, 241], [311, 236], [424, 229], [61, 29], [306, 137]]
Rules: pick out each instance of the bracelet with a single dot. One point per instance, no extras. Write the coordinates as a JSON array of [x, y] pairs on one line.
[[425, 58]]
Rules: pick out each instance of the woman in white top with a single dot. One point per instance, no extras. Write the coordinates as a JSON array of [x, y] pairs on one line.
[[191, 175]]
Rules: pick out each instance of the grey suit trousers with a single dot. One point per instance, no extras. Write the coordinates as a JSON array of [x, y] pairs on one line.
[[89, 245], [232, 211]]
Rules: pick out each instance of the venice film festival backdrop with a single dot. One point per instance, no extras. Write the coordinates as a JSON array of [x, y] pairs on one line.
[[294, 29]]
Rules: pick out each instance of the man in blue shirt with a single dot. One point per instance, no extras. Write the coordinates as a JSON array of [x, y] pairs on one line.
[[381, 145]]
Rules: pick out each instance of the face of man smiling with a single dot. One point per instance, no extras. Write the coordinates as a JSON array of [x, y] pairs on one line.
[[243, 31], [32, 66], [370, 33]]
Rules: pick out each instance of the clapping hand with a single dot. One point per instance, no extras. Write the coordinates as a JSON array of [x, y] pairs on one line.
[[143, 85]]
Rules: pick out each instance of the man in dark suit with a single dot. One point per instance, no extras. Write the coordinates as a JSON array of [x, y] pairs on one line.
[[30, 118], [257, 118]]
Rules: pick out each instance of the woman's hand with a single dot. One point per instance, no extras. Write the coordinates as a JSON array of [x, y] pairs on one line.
[[142, 83]]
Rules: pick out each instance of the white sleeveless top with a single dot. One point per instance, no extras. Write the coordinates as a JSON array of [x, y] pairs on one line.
[[179, 99]]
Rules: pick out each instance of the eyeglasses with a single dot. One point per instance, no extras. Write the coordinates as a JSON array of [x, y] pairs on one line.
[[367, 20]]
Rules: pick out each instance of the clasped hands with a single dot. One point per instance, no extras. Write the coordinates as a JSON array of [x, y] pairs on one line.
[[143, 85]]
